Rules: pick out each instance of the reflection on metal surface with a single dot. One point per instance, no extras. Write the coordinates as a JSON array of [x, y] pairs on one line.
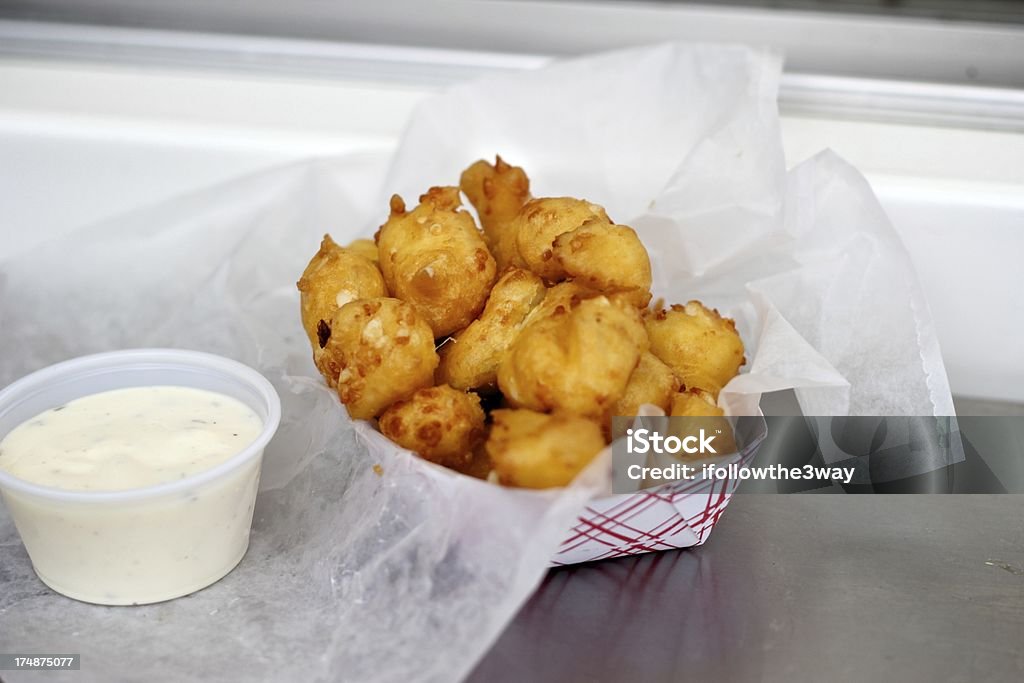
[[1002, 11], [807, 90], [851, 44], [897, 455], [791, 588]]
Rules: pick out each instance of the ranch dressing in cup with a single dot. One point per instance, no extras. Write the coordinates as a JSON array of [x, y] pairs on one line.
[[142, 489], [129, 438]]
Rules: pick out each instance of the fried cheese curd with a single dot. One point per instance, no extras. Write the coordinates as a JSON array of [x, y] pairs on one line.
[[702, 348], [557, 238], [435, 259], [379, 351], [479, 465], [530, 238], [470, 359], [334, 277], [652, 383], [543, 327], [441, 424], [496, 192], [537, 450], [364, 247], [694, 410], [562, 297], [605, 257], [694, 403], [574, 358]]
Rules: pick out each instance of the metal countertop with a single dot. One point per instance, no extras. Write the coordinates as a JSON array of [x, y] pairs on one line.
[[793, 588]]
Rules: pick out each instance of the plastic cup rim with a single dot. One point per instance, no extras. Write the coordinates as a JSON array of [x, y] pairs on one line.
[[127, 358]]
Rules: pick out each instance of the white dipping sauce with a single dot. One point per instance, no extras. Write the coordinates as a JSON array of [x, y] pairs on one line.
[[129, 438], [114, 547]]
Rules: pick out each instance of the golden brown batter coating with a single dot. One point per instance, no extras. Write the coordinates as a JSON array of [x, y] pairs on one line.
[[701, 347], [560, 298], [577, 359], [496, 192], [535, 450], [441, 424], [694, 410], [479, 465], [606, 257], [435, 259], [652, 382], [364, 247], [529, 240], [379, 351], [334, 277], [694, 403], [470, 359]]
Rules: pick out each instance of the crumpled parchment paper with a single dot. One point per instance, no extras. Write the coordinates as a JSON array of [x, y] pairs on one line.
[[411, 574]]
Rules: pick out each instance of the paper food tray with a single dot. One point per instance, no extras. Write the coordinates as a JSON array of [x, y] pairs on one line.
[[679, 514]]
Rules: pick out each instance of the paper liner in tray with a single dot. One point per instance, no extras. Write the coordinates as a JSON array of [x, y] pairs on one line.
[[675, 515]]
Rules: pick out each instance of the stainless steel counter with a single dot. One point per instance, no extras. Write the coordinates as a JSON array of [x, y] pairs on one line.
[[793, 588]]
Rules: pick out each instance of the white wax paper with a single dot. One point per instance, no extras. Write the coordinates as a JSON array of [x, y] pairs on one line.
[[412, 573]]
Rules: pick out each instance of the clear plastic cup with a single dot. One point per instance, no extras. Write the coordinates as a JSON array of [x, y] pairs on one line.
[[147, 544]]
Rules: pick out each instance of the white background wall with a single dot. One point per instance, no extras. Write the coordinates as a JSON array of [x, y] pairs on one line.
[[81, 141]]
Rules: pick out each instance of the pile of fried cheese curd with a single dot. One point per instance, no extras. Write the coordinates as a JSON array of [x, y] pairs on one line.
[[503, 353]]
